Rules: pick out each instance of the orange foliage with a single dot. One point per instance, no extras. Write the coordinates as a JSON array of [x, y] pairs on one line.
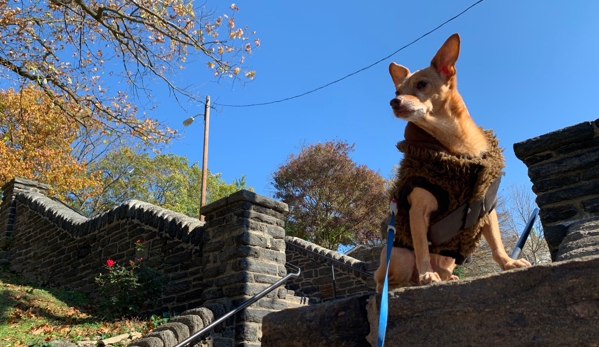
[[35, 143]]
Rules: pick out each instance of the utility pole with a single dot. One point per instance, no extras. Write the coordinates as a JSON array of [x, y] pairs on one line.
[[187, 123], [205, 160]]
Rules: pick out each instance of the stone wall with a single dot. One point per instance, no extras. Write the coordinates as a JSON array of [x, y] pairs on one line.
[[371, 256], [564, 169], [237, 253], [318, 263]]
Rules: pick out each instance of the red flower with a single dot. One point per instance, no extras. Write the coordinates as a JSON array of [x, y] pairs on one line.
[[138, 241], [110, 262]]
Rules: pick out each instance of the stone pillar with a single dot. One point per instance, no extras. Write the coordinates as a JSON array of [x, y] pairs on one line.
[[564, 169], [244, 252], [9, 204]]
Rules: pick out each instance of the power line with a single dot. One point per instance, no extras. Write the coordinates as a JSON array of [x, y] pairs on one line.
[[358, 71]]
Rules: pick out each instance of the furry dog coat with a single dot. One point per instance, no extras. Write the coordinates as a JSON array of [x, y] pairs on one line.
[[453, 180]]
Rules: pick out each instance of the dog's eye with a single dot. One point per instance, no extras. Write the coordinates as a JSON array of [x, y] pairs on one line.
[[397, 93], [421, 85]]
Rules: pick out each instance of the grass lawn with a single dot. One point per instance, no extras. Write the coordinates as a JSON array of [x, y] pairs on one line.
[[32, 316]]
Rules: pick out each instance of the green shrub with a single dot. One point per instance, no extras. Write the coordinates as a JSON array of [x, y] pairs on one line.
[[128, 291]]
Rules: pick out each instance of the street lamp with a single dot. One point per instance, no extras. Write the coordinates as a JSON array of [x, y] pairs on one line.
[[188, 122]]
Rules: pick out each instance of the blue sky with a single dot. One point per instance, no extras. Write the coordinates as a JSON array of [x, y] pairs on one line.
[[525, 68]]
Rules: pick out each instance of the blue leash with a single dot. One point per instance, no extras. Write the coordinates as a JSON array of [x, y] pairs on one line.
[[384, 311]]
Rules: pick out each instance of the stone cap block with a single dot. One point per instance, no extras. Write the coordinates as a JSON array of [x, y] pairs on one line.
[[180, 330], [51, 209], [193, 322], [245, 195], [168, 337], [147, 342], [204, 313], [178, 225], [25, 184], [553, 140]]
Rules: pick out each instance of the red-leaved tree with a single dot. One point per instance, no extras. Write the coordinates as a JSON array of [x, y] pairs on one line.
[[332, 200]]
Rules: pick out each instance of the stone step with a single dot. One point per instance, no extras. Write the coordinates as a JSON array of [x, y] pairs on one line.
[[582, 240], [577, 252], [582, 229], [296, 303], [549, 305], [293, 300], [290, 292]]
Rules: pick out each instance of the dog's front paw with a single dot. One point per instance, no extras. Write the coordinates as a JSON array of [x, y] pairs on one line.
[[429, 277], [514, 264]]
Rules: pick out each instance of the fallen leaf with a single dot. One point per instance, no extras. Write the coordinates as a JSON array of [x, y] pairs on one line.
[[44, 328]]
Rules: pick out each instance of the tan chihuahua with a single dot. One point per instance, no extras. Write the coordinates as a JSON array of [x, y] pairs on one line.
[[429, 99]]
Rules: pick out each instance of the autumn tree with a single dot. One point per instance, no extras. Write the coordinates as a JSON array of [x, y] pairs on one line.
[[165, 180], [35, 143], [76, 50], [332, 200]]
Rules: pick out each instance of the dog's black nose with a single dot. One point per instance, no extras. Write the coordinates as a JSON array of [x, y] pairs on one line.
[[395, 103]]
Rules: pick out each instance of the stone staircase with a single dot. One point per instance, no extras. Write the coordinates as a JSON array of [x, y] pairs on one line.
[[547, 305], [293, 300]]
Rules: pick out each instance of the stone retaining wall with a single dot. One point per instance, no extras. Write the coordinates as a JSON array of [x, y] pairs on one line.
[[564, 169], [237, 253], [316, 280], [371, 256]]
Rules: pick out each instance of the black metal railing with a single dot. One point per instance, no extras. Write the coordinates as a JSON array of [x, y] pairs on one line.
[[520, 244], [247, 303]]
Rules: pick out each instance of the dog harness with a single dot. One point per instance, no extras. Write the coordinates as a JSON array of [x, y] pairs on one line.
[[465, 188]]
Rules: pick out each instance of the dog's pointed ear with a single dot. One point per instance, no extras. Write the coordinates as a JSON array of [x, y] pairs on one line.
[[398, 73], [445, 59]]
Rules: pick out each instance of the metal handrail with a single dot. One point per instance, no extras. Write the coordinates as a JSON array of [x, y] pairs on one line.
[[242, 306], [334, 282], [520, 244]]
